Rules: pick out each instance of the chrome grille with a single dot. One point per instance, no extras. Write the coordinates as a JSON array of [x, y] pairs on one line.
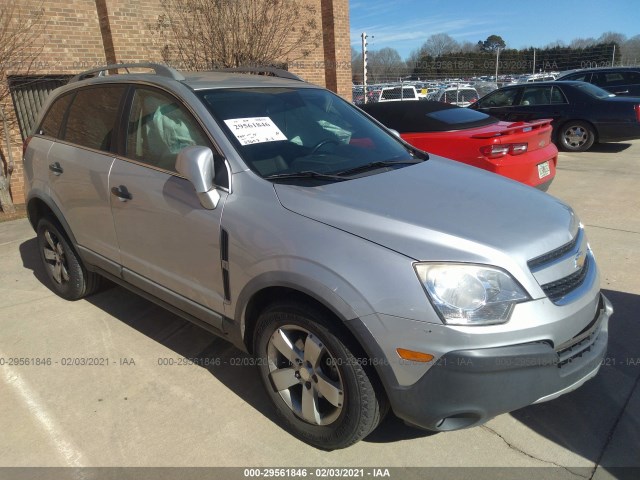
[[554, 254], [560, 288]]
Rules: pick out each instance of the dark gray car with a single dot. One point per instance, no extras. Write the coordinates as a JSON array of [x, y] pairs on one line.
[[363, 274], [624, 81]]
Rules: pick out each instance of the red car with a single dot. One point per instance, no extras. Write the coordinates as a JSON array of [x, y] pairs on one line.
[[522, 151]]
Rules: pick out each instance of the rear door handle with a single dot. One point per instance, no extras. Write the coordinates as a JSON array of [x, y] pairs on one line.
[[122, 193], [55, 168]]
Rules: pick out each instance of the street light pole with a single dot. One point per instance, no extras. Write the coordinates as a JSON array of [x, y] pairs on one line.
[[364, 65]]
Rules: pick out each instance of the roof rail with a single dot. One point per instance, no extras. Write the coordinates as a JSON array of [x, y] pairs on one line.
[[276, 72], [159, 69]]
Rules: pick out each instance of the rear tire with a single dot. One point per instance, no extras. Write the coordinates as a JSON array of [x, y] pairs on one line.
[[576, 136], [67, 275], [325, 396]]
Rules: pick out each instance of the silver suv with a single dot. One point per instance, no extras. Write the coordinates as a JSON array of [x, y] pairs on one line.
[[360, 272]]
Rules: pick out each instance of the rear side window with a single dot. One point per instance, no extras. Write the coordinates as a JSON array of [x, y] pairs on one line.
[[536, 96], [53, 119], [500, 98], [92, 117], [632, 77], [609, 79]]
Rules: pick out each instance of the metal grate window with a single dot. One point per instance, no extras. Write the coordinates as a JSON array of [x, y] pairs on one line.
[[29, 94]]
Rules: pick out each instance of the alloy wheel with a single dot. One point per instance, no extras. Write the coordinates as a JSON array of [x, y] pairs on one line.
[[305, 375], [55, 258], [576, 136]]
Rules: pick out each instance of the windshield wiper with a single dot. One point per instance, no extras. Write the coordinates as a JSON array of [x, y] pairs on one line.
[[374, 165], [306, 174]]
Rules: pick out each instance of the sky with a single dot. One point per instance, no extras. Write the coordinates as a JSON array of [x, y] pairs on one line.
[[406, 24]]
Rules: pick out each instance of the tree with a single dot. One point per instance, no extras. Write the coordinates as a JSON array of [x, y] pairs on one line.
[[356, 66], [557, 44], [491, 44], [385, 64], [612, 37], [582, 42], [631, 51], [439, 44], [205, 34], [413, 60], [20, 44], [468, 47]]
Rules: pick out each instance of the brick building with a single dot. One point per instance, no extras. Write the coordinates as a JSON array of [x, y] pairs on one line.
[[77, 35]]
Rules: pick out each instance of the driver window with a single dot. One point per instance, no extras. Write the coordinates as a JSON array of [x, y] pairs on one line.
[[159, 127]]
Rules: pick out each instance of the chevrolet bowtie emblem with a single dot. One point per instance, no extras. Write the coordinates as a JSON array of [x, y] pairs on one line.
[[579, 260]]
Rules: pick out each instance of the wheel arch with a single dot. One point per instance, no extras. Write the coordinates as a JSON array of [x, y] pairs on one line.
[[349, 328], [272, 287], [39, 206]]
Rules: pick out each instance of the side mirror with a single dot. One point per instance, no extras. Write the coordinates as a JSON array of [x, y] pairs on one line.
[[196, 165]]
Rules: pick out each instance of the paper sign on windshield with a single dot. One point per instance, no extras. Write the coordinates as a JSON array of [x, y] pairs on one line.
[[255, 130]]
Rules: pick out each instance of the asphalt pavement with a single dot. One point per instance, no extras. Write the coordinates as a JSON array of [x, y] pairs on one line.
[[106, 381]]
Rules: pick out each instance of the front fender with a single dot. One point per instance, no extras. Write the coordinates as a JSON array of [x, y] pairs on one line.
[[311, 279]]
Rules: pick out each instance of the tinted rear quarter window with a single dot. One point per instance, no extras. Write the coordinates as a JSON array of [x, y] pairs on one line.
[[609, 79], [92, 116], [632, 77], [557, 96], [54, 117]]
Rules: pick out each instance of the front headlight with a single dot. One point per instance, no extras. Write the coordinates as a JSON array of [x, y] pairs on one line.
[[470, 294]]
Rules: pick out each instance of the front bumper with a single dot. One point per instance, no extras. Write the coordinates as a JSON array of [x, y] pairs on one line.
[[465, 388]]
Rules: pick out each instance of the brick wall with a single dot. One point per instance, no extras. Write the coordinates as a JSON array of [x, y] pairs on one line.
[[72, 40], [330, 64]]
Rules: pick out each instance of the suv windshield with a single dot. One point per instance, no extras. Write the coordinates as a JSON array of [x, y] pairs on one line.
[[282, 132]]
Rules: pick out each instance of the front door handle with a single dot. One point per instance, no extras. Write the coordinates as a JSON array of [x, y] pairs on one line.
[[122, 193], [56, 168], [623, 92]]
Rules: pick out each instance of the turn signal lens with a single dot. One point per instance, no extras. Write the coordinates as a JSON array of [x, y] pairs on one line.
[[414, 356]]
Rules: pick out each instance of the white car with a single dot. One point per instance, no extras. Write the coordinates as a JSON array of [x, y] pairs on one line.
[[460, 96], [397, 94]]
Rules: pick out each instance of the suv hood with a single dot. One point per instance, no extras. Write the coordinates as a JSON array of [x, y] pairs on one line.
[[440, 210]]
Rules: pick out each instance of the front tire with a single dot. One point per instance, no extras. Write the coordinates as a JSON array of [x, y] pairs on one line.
[[67, 276], [576, 136], [325, 396]]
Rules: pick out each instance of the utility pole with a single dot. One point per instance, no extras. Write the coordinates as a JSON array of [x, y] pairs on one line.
[[497, 60], [613, 57], [534, 62], [364, 65]]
